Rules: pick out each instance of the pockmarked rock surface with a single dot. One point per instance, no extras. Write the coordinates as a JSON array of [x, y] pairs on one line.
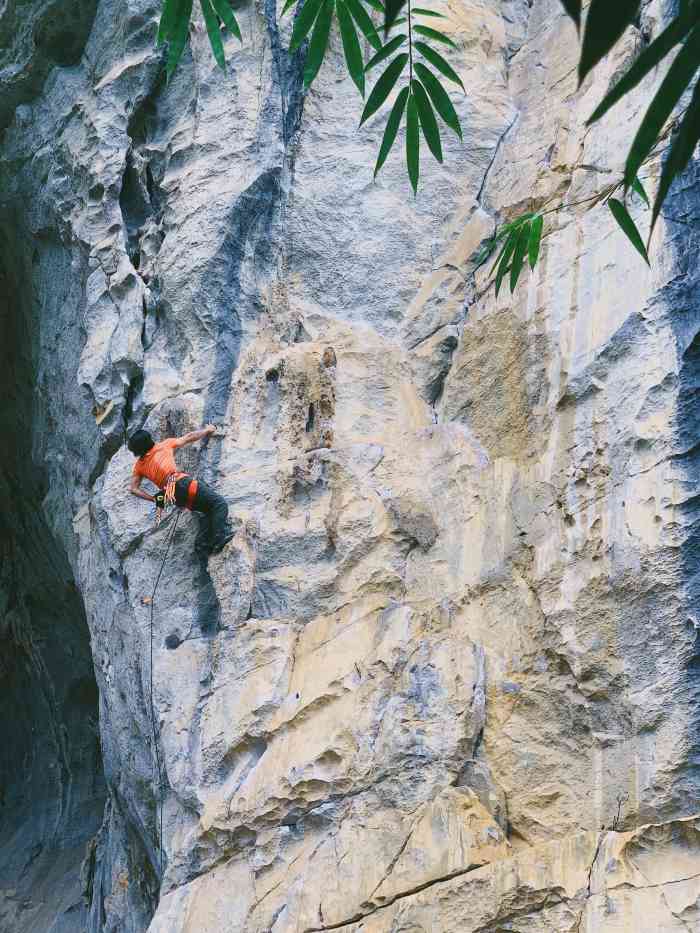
[[445, 675]]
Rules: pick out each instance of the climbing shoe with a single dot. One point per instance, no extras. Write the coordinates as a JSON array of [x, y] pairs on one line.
[[221, 543]]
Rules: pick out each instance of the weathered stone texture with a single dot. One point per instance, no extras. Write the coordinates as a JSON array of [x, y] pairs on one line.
[[444, 678]]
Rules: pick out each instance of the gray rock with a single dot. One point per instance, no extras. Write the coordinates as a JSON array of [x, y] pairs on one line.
[[457, 625]]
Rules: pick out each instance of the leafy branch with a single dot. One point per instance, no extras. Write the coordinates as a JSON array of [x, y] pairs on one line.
[[175, 26], [521, 238], [422, 98], [605, 24]]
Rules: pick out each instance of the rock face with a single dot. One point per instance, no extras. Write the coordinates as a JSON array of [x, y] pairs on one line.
[[445, 676]]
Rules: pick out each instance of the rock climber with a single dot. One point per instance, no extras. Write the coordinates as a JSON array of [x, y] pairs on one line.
[[156, 462]]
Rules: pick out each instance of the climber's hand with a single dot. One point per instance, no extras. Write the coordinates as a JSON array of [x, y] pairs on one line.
[[210, 429]]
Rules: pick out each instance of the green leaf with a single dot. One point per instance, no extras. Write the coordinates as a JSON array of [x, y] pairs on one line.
[[486, 250], [376, 5], [384, 86], [605, 23], [168, 20], [681, 152], [351, 47], [639, 189], [504, 259], [390, 47], [628, 226], [519, 254], [513, 224], [392, 128], [533, 246], [211, 21], [226, 15], [438, 62], [178, 37], [677, 79], [438, 96], [361, 17], [427, 119], [419, 11], [647, 61], [319, 42], [434, 34], [392, 10], [412, 143], [287, 6], [304, 22], [573, 8]]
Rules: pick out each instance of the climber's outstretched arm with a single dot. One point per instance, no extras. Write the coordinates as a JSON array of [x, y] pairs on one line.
[[135, 491], [194, 436]]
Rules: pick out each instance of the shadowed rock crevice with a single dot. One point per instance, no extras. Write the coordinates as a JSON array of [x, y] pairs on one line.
[[51, 779]]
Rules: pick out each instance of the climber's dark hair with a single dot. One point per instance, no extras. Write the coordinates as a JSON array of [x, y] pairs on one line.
[[140, 443]]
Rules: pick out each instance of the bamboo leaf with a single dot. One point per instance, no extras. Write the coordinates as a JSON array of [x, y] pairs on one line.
[[519, 254], [438, 96], [573, 8], [384, 86], [392, 128], [412, 143], [504, 259], [361, 17], [376, 5], [639, 189], [427, 119], [386, 51], [681, 152], [392, 10], [227, 16], [319, 42], [513, 224], [605, 23], [211, 21], [438, 62], [287, 6], [351, 47], [434, 34], [648, 60], [419, 11], [168, 20], [304, 22], [628, 227], [533, 246], [178, 37], [672, 87], [485, 252]]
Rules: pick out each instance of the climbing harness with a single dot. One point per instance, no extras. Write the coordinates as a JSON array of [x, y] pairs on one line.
[[159, 811], [166, 496]]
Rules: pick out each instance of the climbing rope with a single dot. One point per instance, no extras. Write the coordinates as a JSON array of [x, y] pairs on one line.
[[159, 812]]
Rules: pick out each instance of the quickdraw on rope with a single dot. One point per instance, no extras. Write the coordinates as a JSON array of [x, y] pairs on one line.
[[159, 798]]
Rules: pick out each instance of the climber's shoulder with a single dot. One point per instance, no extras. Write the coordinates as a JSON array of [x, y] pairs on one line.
[[168, 443]]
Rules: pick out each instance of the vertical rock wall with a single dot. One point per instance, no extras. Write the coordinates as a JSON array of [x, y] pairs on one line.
[[444, 677]]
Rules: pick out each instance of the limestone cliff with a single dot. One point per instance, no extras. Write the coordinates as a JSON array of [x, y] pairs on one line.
[[445, 678]]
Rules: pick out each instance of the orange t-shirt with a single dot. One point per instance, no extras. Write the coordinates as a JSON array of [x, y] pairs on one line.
[[159, 463]]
